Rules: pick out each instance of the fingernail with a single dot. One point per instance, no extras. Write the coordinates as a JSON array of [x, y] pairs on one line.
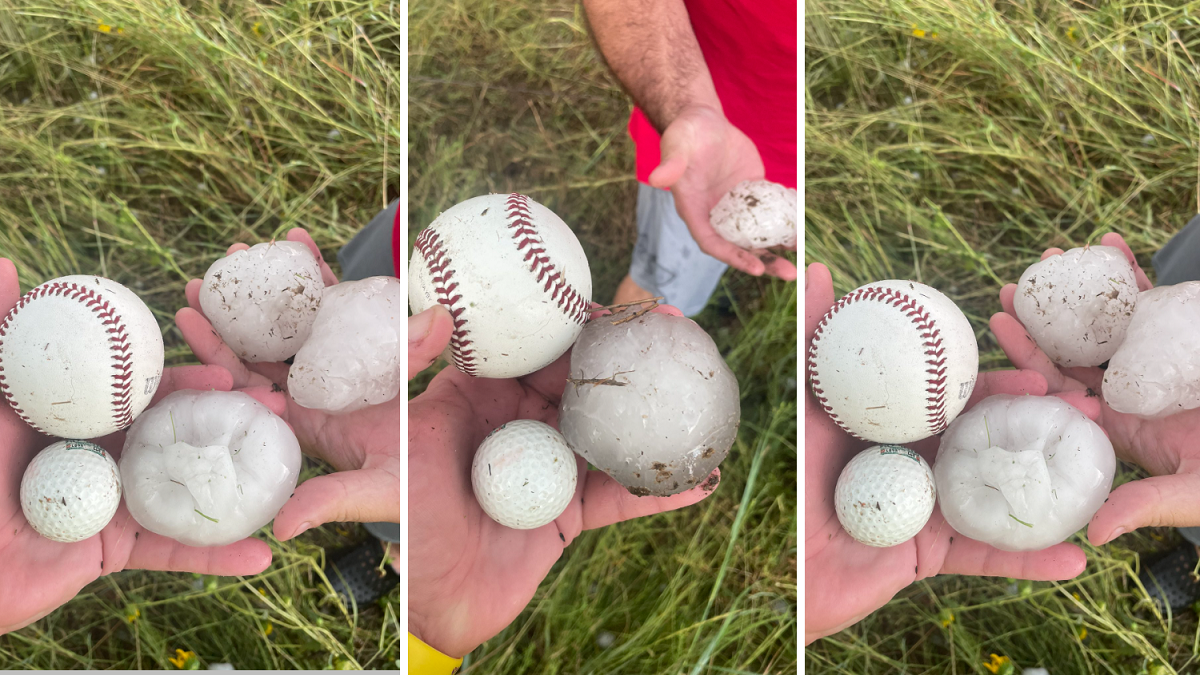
[[304, 527], [419, 326]]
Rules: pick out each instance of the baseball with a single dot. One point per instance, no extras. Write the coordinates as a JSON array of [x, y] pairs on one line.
[[80, 357], [893, 362], [513, 276]]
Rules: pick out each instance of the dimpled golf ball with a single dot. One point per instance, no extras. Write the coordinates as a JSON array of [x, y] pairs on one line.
[[885, 495], [524, 474], [70, 491]]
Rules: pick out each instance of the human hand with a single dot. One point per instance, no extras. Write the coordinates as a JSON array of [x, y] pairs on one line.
[[704, 157], [846, 580], [469, 576], [40, 574], [362, 446], [1164, 447]]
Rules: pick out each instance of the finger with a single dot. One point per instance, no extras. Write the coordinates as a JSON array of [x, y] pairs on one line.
[[716, 246], [778, 266], [1014, 382], [1051, 251], [429, 334], [1007, 293], [236, 247], [605, 501], [359, 496], [200, 378], [300, 235], [198, 333], [669, 310], [1158, 501], [668, 172], [269, 396], [1079, 399], [818, 298], [1024, 353], [271, 372], [192, 291], [967, 556], [10, 286], [155, 552], [1117, 241]]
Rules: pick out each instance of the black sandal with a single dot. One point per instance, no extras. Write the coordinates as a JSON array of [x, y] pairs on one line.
[[1171, 581], [359, 577]]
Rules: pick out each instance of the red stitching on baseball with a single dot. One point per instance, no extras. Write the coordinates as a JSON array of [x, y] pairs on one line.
[[931, 337], [437, 261], [118, 343], [520, 221]]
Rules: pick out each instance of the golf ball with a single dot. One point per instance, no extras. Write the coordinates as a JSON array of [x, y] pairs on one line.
[[885, 495], [70, 491], [524, 474]]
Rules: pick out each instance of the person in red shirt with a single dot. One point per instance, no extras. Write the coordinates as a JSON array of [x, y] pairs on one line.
[[717, 79]]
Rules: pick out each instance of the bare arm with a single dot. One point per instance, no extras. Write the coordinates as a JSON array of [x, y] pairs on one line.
[[650, 46]]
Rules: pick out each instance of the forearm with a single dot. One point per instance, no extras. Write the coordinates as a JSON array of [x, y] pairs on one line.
[[651, 48]]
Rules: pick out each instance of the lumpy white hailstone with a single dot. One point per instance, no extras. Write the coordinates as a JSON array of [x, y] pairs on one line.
[[1077, 305], [756, 214], [262, 301], [650, 402], [1156, 372], [352, 357], [1022, 473], [208, 468]]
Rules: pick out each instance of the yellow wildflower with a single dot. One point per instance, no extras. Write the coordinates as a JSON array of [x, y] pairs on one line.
[[921, 32], [184, 660], [132, 614], [257, 28], [1073, 34], [946, 617], [269, 629], [1082, 633], [107, 28], [999, 665]]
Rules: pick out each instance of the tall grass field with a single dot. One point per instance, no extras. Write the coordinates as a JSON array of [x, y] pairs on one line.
[[951, 143], [513, 97], [138, 140]]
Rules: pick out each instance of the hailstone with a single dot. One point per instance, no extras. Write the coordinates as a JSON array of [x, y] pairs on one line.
[[1022, 473], [650, 402], [208, 468], [352, 358], [756, 214], [1077, 305], [1156, 372], [262, 301]]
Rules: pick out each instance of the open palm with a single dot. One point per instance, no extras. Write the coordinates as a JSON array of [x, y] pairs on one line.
[[846, 580], [704, 157], [363, 446], [1164, 447], [469, 577], [40, 574]]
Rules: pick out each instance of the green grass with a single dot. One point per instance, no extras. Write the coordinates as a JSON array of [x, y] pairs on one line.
[[140, 154], [512, 97], [957, 160]]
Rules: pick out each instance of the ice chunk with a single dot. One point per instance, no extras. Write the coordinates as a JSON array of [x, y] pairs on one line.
[[756, 214], [262, 301], [208, 468], [1022, 473], [1156, 372], [1077, 305], [352, 358]]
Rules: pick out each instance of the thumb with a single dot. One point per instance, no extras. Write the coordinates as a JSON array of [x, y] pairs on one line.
[[669, 170], [428, 335], [358, 496], [1158, 501]]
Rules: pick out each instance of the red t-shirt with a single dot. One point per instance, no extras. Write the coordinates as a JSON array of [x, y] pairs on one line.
[[750, 49]]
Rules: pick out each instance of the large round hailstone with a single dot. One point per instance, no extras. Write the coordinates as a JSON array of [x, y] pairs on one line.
[[756, 214], [650, 402], [262, 301], [208, 468], [1156, 371], [1022, 473], [1077, 305], [352, 358]]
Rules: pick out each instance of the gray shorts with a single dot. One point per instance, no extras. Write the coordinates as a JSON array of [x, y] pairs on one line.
[[667, 261], [1175, 263], [369, 254]]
